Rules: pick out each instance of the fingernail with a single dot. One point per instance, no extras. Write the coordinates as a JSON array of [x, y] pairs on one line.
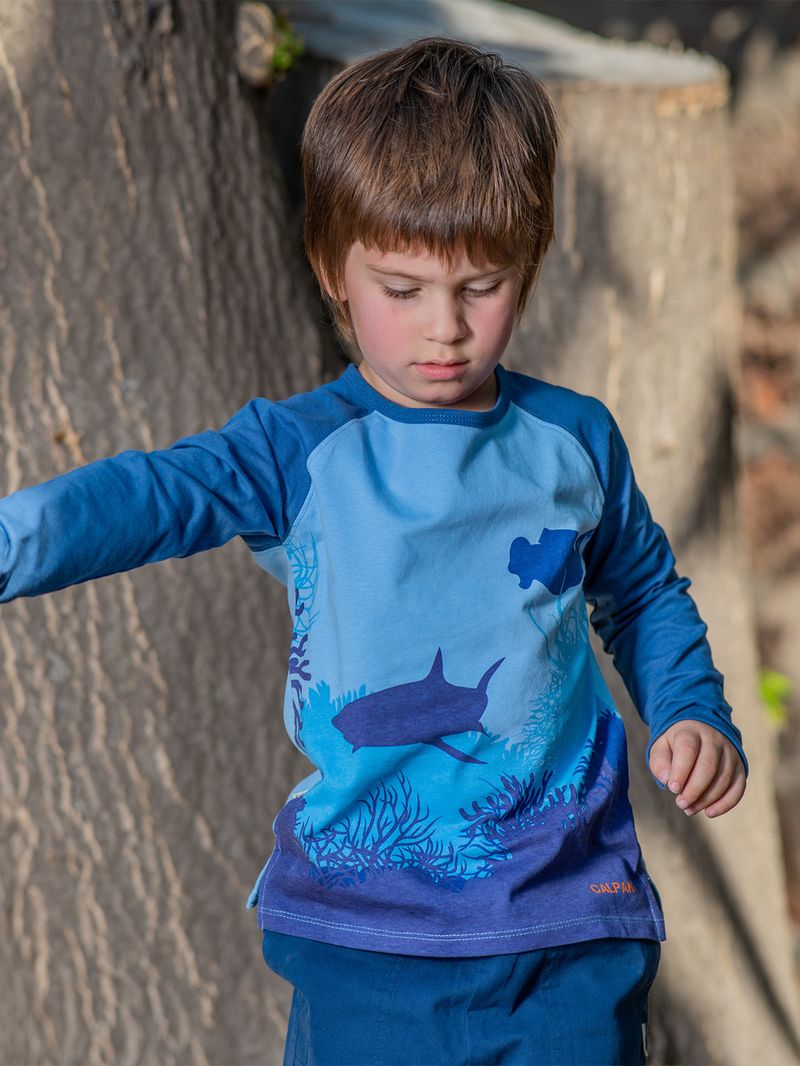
[[663, 777], [674, 786]]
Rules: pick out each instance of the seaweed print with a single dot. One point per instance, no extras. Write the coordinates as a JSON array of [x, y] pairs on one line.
[[556, 563], [390, 832], [507, 813], [305, 573], [548, 709]]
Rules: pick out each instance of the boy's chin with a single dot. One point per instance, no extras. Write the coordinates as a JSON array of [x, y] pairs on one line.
[[417, 389]]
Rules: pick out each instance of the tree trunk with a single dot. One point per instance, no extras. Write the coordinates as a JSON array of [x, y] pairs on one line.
[[638, 304], [152, 281]]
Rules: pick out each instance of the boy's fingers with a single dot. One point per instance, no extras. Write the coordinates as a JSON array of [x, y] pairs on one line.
[[685, 749], [732, 796], [661, 760], [718, 786], [703, 773]]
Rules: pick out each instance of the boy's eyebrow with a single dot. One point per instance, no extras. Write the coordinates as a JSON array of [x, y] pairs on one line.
[[413, 277]]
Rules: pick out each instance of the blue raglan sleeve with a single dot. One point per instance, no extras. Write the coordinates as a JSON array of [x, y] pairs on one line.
[[643, 612], [140, 507]]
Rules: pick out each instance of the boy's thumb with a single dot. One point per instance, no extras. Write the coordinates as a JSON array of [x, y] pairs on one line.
[[661, 761]]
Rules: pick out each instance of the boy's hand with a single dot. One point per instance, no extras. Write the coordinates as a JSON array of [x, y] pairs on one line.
[[701, 765]]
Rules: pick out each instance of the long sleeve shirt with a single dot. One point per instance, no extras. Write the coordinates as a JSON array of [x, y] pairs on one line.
[[470, 790]]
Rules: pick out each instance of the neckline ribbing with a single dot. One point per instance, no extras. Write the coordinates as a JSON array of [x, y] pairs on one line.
[[376, 401]]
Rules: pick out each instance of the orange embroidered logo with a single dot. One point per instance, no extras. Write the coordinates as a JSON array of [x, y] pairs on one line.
[[612, 886]]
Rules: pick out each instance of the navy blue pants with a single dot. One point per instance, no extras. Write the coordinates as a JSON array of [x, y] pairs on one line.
[[575, 1005]]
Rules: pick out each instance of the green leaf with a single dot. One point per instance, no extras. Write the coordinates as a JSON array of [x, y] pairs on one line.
[[774, 689]]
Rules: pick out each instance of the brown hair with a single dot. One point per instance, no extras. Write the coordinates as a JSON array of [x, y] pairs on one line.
[[430, 146]]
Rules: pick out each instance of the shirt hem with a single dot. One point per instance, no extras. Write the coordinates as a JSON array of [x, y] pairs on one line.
[[443, 945]]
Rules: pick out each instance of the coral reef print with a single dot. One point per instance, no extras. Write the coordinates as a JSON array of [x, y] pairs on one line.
[[305, 571], [389, 830], [520, 806], [391, 827]]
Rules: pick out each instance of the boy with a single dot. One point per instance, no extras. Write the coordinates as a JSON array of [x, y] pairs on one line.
[[459, 880]]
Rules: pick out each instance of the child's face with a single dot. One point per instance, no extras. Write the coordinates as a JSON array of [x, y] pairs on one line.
[[465, 316]]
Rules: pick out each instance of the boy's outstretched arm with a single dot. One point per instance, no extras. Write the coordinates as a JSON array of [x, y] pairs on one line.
[[138, 507], [647, 620]]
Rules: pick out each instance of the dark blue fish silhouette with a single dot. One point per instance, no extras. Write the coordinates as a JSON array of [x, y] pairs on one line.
[[554, 561], [417, 712]]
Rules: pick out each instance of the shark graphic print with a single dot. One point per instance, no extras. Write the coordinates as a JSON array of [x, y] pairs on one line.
[[417, 712]]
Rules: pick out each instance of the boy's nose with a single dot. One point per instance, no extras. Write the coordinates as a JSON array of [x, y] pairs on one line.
[[446, 323]]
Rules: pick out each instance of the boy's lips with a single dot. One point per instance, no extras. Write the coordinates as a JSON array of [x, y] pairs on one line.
[[440, 370]]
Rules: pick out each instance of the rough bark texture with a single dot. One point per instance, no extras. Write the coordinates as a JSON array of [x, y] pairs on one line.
[[151, 282]]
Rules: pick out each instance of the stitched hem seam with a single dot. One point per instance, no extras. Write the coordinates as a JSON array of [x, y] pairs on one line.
[[445, 937]]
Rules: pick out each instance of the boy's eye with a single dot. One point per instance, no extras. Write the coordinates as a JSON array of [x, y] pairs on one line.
[[405, 294], [401, 294]]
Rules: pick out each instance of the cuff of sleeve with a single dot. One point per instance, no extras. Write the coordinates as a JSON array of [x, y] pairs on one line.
[[697, 713], [5, 553]]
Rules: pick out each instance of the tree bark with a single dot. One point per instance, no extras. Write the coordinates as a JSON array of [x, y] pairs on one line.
[[152, 281]]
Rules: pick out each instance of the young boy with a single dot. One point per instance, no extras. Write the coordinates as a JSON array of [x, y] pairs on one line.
[[459, 880]]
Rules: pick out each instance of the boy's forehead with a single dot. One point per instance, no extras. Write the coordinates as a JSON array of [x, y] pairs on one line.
[[420, 264]]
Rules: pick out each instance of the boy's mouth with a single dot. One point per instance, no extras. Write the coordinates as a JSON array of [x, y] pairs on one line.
[[441, 370]]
